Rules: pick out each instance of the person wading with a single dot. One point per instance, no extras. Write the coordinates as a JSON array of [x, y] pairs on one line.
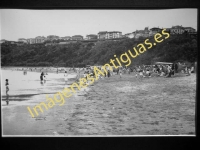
[[7, 89], [66, 76]]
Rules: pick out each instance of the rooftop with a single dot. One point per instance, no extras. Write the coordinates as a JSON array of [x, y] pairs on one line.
[[188, 27], [139, 31], [155, 28], [114, 32], [177, 26], [91, 35], [40, 37], [102, 32], [77, 36]]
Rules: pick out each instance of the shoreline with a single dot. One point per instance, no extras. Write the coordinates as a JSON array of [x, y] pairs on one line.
[[39, 69]]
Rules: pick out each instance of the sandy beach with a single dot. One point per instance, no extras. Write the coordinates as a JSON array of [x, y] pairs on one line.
[[112, 106]]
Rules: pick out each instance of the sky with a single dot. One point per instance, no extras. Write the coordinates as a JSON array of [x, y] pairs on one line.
[[24, 23]]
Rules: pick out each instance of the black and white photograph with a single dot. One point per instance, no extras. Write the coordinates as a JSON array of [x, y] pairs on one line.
[[98, 72]]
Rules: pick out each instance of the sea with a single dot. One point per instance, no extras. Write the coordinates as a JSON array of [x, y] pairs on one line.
[[25, 86]]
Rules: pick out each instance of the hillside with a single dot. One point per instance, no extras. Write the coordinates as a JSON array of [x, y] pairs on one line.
[[176, 48]]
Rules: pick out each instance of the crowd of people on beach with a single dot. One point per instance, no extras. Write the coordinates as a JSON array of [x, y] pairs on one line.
[[140, 71], [165, 70], [143, 71]]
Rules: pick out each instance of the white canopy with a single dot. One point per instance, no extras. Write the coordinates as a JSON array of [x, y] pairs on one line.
[[163, 63]]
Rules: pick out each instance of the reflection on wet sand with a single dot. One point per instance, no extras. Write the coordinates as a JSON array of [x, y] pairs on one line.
[[7, 99]]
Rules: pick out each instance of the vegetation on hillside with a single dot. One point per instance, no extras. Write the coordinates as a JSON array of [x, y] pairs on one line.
[[175, 48]]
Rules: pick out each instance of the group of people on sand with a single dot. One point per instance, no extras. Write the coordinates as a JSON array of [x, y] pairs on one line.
[[163, 70], [108, 73], [146, 71]]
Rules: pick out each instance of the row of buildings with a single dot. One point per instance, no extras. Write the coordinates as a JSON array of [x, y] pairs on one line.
[[109, 35], [151, 32]]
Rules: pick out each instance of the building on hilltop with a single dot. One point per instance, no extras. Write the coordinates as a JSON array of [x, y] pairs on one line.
[[56, 38], [180, 30], [102, 35], [154, 30], [22, 40], [52, 37], [114, 34], [31, 41], [109, 35], [19, 43], [40, 39], [129, 35], [11, 42], [190, 30], [138, 33], [124, 36], [91, 37], [146, 32], [177, 29], [141, 33], [77, 37], [3, 41]]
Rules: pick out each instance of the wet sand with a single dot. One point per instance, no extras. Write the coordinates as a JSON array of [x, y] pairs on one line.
[[113, 106]]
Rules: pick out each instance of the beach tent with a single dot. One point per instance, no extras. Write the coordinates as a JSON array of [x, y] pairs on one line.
[[164, 68], [163, 63]]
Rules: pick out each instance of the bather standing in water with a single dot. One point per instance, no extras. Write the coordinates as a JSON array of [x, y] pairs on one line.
[[65, 76], [41, 78], [7, 89]]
